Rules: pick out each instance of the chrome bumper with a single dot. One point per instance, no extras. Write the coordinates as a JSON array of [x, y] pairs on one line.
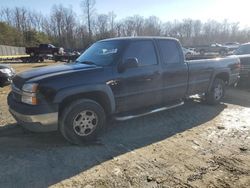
[[37, 123]]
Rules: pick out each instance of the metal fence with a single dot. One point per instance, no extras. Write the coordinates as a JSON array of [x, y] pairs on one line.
[[12, 51]]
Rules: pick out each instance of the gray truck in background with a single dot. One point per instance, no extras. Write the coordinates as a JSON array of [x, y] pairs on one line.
[[212, 48]]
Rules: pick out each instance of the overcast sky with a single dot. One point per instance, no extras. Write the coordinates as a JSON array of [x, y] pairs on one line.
[[166, 10]]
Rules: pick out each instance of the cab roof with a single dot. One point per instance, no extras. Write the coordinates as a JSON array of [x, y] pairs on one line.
[[139, 38]]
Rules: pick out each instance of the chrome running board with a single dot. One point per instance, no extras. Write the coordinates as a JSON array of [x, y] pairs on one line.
[[123, 118]]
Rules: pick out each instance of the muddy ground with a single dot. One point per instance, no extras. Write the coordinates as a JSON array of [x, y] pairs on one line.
[[195, 145]]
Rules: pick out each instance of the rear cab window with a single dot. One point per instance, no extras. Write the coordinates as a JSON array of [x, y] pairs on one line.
[[169, 52]]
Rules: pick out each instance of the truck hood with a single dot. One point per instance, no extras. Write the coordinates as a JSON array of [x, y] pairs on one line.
[[48, 71]]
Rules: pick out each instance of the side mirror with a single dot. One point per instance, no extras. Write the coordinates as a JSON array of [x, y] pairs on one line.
[[128, 64]]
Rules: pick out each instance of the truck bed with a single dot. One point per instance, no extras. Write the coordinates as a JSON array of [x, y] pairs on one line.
[[201, 72]]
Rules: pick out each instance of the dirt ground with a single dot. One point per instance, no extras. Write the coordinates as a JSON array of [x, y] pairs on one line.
[[195, 145]]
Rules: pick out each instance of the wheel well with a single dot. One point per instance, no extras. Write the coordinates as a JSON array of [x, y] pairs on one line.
[[223, 76], [100, 97]]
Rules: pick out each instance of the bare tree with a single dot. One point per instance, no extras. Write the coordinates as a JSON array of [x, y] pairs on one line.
[[63, 23], [6, 15], [152, 26], [36, 20], [62, 28], [88, 7]]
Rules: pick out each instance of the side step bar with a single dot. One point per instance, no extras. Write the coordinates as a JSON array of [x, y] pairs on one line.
[[123, 118]]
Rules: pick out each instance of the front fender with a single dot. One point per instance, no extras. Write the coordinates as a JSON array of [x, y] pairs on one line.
[[67, 92]]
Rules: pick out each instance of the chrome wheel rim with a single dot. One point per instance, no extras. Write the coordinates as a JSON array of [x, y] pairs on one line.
[[218, 92], [85, 122]]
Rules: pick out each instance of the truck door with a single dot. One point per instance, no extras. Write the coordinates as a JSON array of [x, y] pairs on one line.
[[174, 70], [140, 86]]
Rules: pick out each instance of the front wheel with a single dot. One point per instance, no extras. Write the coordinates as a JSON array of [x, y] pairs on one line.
[[223, 52], [216, 92], [82, 121]]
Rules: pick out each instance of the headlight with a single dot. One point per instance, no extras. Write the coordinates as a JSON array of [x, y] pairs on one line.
[[31, 88], [5, 71], [29, 94]]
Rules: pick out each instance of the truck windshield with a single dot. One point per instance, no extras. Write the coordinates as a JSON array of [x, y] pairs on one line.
[[244, 49], [101, 53]]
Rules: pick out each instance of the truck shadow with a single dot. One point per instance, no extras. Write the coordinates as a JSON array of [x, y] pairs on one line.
[[238, 96], [41, 160]]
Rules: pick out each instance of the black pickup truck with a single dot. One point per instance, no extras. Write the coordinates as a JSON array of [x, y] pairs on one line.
[[42, 49], [121, 78]]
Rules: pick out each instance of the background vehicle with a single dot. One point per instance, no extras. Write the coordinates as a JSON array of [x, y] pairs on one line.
[[243, 49], [213, 48], [6, 75], [188, 53], [121, 77], [243, 53], [43, 49], [67, 56], [232, 45]]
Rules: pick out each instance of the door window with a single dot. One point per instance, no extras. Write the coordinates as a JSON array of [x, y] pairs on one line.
[[170, 53], [142, 50]]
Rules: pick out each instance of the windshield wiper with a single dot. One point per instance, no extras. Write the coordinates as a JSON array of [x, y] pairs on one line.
[[86, 62]]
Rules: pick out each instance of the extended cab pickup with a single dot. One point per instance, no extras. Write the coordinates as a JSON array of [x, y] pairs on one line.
[[120, 77]]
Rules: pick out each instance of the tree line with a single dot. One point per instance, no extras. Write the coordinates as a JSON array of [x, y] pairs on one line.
[[20, 26]]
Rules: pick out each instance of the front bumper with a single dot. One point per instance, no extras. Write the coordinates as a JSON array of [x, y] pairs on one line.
[[34, 118], [37, 123]]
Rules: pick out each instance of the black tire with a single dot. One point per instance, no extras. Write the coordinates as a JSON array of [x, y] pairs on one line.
[[223, 52], [188, 55], [41, 59], [202, 52], [216, 92], [68, 123], [1, 83]]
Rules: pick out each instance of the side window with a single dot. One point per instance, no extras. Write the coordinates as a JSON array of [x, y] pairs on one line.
[[169, 50], [142, 50]]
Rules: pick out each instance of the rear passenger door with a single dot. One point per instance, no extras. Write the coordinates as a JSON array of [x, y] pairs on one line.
[[174, 70], [140, 86]]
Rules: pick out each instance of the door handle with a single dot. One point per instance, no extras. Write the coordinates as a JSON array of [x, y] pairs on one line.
[[152, 76], [157, 73]]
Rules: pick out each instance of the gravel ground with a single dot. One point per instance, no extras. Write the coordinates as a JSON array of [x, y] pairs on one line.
[[195, 145]]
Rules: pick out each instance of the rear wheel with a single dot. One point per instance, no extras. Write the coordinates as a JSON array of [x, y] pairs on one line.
[[82, 121], [188, 55], [1, 83], [216, 92], [202, 52]]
